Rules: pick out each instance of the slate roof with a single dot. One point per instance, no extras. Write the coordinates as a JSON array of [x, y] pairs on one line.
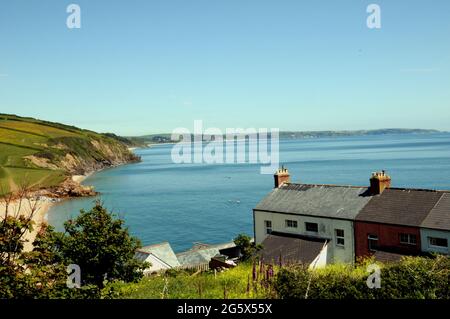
[[220, 246], [398, 206], [343, 202], [292, 249], [439, 217], [197, 256], [162, 251], [202, 253]]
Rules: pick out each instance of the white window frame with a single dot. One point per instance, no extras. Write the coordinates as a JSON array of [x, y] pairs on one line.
[[267, 227], [371, 238], [436, 246], [409, 241], [289, 223], [337, 237]]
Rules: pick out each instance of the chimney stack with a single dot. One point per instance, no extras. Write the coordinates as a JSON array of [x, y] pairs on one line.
[[281, 176], [379, 182]]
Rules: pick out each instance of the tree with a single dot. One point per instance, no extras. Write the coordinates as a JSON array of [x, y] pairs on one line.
[[39, 273], [95, 241], [101, 246], [16, 220], [48, 269], [246, 246]]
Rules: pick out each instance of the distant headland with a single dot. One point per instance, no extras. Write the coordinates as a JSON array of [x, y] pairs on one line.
[[141, 141]]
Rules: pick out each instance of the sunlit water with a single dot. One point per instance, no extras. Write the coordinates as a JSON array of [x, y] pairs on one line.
[[182, 204]]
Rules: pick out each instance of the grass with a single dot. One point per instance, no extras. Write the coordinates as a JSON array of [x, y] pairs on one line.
[[34, 177], [34, 127], [11, 155], [21, 137], [235, 283]]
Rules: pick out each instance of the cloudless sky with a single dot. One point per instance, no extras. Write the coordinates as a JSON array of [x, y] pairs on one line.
[[138, 67]]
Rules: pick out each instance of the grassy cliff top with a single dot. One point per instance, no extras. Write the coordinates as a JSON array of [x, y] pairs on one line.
[[43, 154]]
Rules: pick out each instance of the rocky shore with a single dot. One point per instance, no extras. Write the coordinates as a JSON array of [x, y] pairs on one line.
[[68, 189]]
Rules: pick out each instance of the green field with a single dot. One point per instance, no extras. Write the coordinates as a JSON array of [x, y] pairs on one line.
[[14, 169], [49, 143]]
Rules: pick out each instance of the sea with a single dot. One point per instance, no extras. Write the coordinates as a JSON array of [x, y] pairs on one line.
[[186, 204]]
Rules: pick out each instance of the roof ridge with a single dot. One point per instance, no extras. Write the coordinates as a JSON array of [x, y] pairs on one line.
[[190, 251], [156, 245], [330, 185], [434, 206], [420, 189], [355, 186], [161, 260]]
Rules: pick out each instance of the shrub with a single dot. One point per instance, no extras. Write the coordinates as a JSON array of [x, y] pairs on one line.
[[102, 247], [246, 247], [410, 278]]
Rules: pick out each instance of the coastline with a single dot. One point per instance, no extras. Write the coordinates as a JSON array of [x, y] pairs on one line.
[[39, 200], [40, 217], [81, 178], [42, 204], [156, 144]]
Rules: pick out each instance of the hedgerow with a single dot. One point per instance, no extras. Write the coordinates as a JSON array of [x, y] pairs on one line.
[[410, 278]]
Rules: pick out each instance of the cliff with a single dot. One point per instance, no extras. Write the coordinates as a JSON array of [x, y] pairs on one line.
[[45, 155]]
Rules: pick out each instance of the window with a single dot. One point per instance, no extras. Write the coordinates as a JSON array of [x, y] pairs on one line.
[[268, 225], [373, 242], [438, 242], [408, 239], [291, 223], [312, 227], [340, 240]]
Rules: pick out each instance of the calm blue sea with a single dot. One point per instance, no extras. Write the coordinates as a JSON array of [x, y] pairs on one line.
[[183, 204]]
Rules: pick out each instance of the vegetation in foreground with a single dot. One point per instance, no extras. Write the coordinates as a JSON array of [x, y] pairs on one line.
[[411, 278], [235, 283], [95, 241]]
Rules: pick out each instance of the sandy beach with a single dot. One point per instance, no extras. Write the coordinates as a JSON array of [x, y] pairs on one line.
[[43, 205], [79, 178]]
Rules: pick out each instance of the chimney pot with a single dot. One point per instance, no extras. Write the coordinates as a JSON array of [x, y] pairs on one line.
[[379, 182], [281, 177]]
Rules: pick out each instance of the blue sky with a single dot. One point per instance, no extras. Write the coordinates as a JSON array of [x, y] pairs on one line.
[[138, 67]]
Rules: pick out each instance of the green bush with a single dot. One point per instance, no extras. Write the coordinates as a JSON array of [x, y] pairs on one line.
[[96, 241], [246, 247], [410, 278]]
